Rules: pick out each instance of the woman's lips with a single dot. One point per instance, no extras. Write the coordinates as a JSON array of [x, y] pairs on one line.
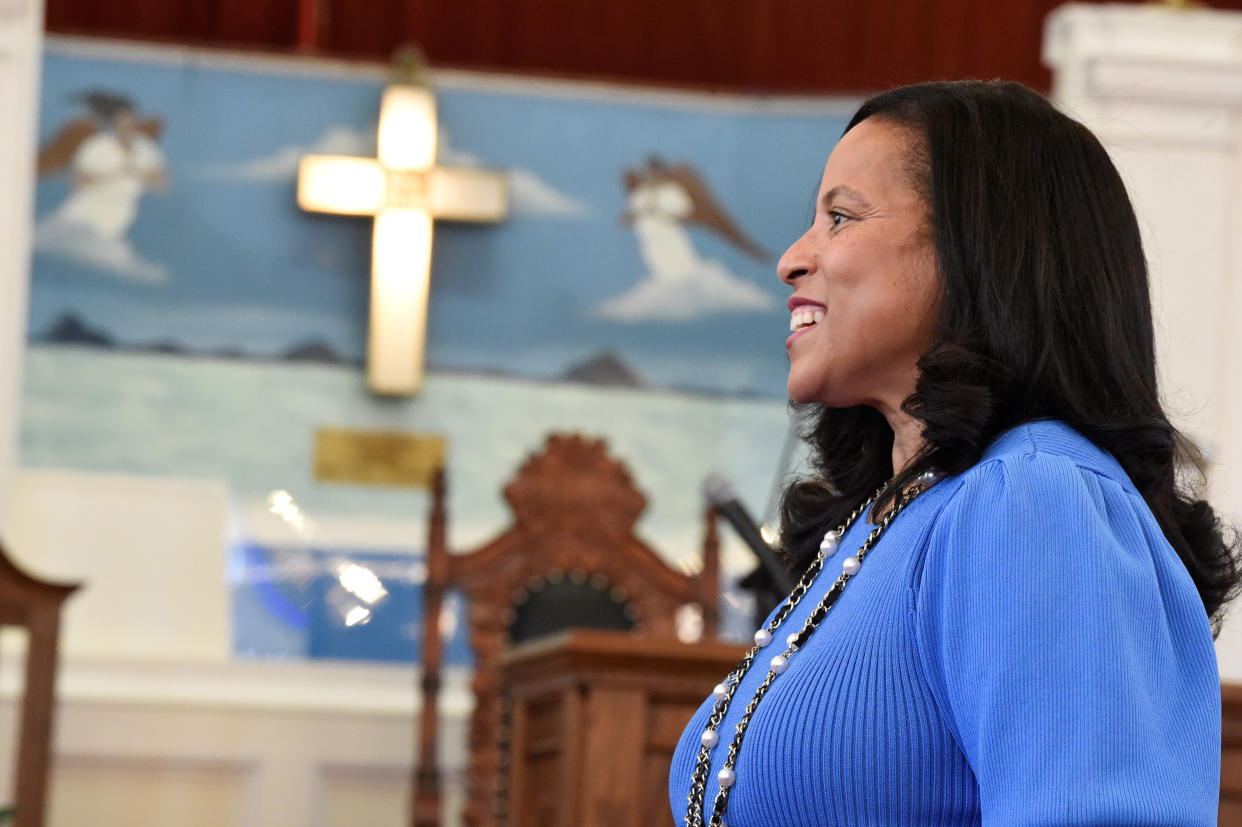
[[801, 301], [797, 334], [804, 314]]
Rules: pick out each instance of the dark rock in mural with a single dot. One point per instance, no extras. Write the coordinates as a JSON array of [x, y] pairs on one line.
[[313, 352], [167, 347], [69, 329], [605, 368]]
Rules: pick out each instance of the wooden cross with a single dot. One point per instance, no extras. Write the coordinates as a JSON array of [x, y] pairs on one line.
[[405, 192]]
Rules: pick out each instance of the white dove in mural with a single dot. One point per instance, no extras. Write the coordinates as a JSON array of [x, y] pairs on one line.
[[662, 202], [112, 158]]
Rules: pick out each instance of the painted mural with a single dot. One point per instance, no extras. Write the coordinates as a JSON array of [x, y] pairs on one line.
[[187, 320]]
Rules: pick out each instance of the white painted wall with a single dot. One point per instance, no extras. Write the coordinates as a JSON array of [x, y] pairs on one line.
[[158, 743], [21, 36], [1162, 88], [150, 554], [157, 723]]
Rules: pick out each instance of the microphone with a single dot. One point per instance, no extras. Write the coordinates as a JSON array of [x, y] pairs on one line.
[[720, 493]]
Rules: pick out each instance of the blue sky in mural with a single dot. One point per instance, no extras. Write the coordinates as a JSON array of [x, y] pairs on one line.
[[223, 259]]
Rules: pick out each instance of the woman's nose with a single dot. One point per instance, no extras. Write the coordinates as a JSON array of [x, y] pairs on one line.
[[797, 261]]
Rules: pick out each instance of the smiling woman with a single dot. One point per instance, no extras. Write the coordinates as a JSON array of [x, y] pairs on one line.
[[867, 264], [1022, 629]]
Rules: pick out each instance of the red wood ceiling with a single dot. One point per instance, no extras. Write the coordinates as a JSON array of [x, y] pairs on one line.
[[808, 46]]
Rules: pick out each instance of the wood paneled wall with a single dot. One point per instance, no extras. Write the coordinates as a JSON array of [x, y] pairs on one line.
[[263, 24], [808, 46]]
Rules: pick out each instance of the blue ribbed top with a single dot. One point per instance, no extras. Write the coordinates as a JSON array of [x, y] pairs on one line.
[[1021, 647]]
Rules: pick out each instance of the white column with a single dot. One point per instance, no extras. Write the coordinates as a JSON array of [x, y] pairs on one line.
[[1163, 90], [21, 37]]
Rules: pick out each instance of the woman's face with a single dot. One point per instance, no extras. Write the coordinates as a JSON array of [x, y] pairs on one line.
[[864, 277]]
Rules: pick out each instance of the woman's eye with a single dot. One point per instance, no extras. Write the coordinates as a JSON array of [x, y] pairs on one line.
[[837, 218]]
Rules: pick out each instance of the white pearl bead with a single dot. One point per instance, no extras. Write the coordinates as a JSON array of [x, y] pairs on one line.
[[709, 738], [829, 544], [789, 641], [778, 664], [720, 692], [726, 777], [851, 565], [928, 477], [762, 638]]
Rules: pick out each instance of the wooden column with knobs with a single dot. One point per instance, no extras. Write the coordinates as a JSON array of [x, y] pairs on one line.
[[425, 805]]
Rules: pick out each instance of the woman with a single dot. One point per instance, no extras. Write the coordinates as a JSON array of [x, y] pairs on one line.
[[1026, 635]]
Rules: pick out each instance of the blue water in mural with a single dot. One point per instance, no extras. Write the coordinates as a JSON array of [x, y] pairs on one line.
[[252, 425]]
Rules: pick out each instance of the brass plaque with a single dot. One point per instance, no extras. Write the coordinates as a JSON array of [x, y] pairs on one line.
[[394, 458]]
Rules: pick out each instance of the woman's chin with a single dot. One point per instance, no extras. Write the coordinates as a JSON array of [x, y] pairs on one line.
[[799, 392], [820, 393]]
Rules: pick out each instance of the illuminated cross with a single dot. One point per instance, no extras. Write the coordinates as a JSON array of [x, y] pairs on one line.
[[405, 192]]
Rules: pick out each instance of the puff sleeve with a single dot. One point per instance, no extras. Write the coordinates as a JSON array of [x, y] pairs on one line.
[[1068, 650]]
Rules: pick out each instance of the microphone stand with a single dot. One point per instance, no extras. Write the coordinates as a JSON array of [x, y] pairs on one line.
[[770, 581]]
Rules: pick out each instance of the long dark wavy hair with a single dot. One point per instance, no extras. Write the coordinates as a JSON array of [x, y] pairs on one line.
[[1044, 314]]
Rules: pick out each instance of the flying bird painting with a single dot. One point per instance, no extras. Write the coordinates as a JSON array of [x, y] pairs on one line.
[[663, 203], [113, 158]]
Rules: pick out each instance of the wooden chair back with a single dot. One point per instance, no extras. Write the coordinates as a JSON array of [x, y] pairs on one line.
[[34, 605], [571, 542]]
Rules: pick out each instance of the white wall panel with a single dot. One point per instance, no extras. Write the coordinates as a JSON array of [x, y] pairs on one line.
[[1163, 90], [21, 37]]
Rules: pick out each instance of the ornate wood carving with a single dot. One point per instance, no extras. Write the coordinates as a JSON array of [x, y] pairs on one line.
[[574, 511], [35, 605]]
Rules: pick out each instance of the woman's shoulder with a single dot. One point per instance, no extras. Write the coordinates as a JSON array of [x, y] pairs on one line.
[[1038, 472], [1047, 581], [1042, 453], [1049, 438], [1045, 504]]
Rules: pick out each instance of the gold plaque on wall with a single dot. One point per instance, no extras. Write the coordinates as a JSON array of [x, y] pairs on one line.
[[396, 458]]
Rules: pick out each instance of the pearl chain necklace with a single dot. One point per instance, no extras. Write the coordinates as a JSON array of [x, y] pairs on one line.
[[723, 693]]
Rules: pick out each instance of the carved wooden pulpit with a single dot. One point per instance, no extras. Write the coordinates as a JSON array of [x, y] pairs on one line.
[[569, 559], [596, 718], [34, 605]]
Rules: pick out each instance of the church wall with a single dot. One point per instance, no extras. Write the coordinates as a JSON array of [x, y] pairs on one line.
[[189, 335]]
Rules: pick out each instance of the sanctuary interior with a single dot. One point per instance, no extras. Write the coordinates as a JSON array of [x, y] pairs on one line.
[[267, 549]]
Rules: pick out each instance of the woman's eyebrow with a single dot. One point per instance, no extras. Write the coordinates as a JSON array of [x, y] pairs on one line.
[[839, 190]]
